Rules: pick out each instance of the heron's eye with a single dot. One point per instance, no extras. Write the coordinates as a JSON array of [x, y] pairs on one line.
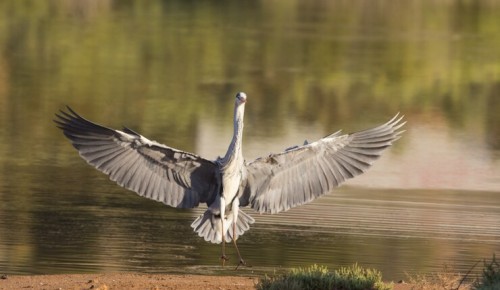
[[241, 96]]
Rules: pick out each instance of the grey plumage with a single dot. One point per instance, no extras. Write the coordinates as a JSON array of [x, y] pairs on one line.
[[153, 170], [271, 184], [299, 175]]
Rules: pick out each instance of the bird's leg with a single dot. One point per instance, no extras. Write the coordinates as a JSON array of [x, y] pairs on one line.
[[222, 216], [235, 208], [241, 262], [223, 258]]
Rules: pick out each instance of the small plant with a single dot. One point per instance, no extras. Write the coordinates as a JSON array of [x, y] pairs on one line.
[[491, 276], [318, 278], [447, 278]]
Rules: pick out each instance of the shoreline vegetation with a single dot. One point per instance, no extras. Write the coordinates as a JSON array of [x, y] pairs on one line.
[[313, 277], [358, 278]]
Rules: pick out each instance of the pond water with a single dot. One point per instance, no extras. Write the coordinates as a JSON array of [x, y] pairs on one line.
[[170, 70]]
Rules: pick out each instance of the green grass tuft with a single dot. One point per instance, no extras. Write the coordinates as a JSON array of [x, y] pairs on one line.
[[491, 276], [318, 278]]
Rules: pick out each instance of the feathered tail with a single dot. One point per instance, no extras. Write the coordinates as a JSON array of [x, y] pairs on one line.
[[209, 226]]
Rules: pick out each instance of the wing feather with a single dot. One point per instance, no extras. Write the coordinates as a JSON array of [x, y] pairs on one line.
[[302, 173], [153, 170]]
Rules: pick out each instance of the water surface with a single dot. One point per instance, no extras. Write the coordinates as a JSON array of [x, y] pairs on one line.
[[170, 70]]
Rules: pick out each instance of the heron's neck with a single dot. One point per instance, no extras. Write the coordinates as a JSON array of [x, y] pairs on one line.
[[234, 152]]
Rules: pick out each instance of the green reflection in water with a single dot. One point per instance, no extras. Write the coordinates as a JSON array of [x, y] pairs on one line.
[[161, 67], [163, 61]]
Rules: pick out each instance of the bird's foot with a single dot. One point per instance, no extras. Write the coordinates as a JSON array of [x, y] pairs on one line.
[[224, 258], [242, 263]]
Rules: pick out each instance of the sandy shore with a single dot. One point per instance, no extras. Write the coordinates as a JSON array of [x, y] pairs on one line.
[[133, 281], [126, 281]]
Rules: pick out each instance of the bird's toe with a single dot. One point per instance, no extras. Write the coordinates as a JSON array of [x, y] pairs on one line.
[[224, 258], [242, 263]]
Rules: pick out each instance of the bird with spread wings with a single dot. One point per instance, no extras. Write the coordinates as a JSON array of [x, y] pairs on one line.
[[270, 184]]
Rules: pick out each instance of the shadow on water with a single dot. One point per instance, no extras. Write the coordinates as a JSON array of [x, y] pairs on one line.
[[170, 70]]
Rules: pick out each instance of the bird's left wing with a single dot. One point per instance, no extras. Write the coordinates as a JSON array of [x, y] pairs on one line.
[[301, 174], [153, 170]]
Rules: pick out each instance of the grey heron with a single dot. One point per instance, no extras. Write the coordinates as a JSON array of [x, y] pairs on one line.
[[270, 184]]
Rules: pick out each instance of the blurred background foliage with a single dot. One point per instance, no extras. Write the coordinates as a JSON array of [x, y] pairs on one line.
[[164, 63]]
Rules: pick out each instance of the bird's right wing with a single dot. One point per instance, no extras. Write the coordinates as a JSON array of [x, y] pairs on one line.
[[152, 170], [302, 173]]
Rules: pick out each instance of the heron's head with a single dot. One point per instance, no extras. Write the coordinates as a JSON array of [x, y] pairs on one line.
[[241, 98]]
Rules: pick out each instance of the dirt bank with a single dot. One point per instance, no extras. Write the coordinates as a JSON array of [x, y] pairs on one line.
[[132, 281]]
